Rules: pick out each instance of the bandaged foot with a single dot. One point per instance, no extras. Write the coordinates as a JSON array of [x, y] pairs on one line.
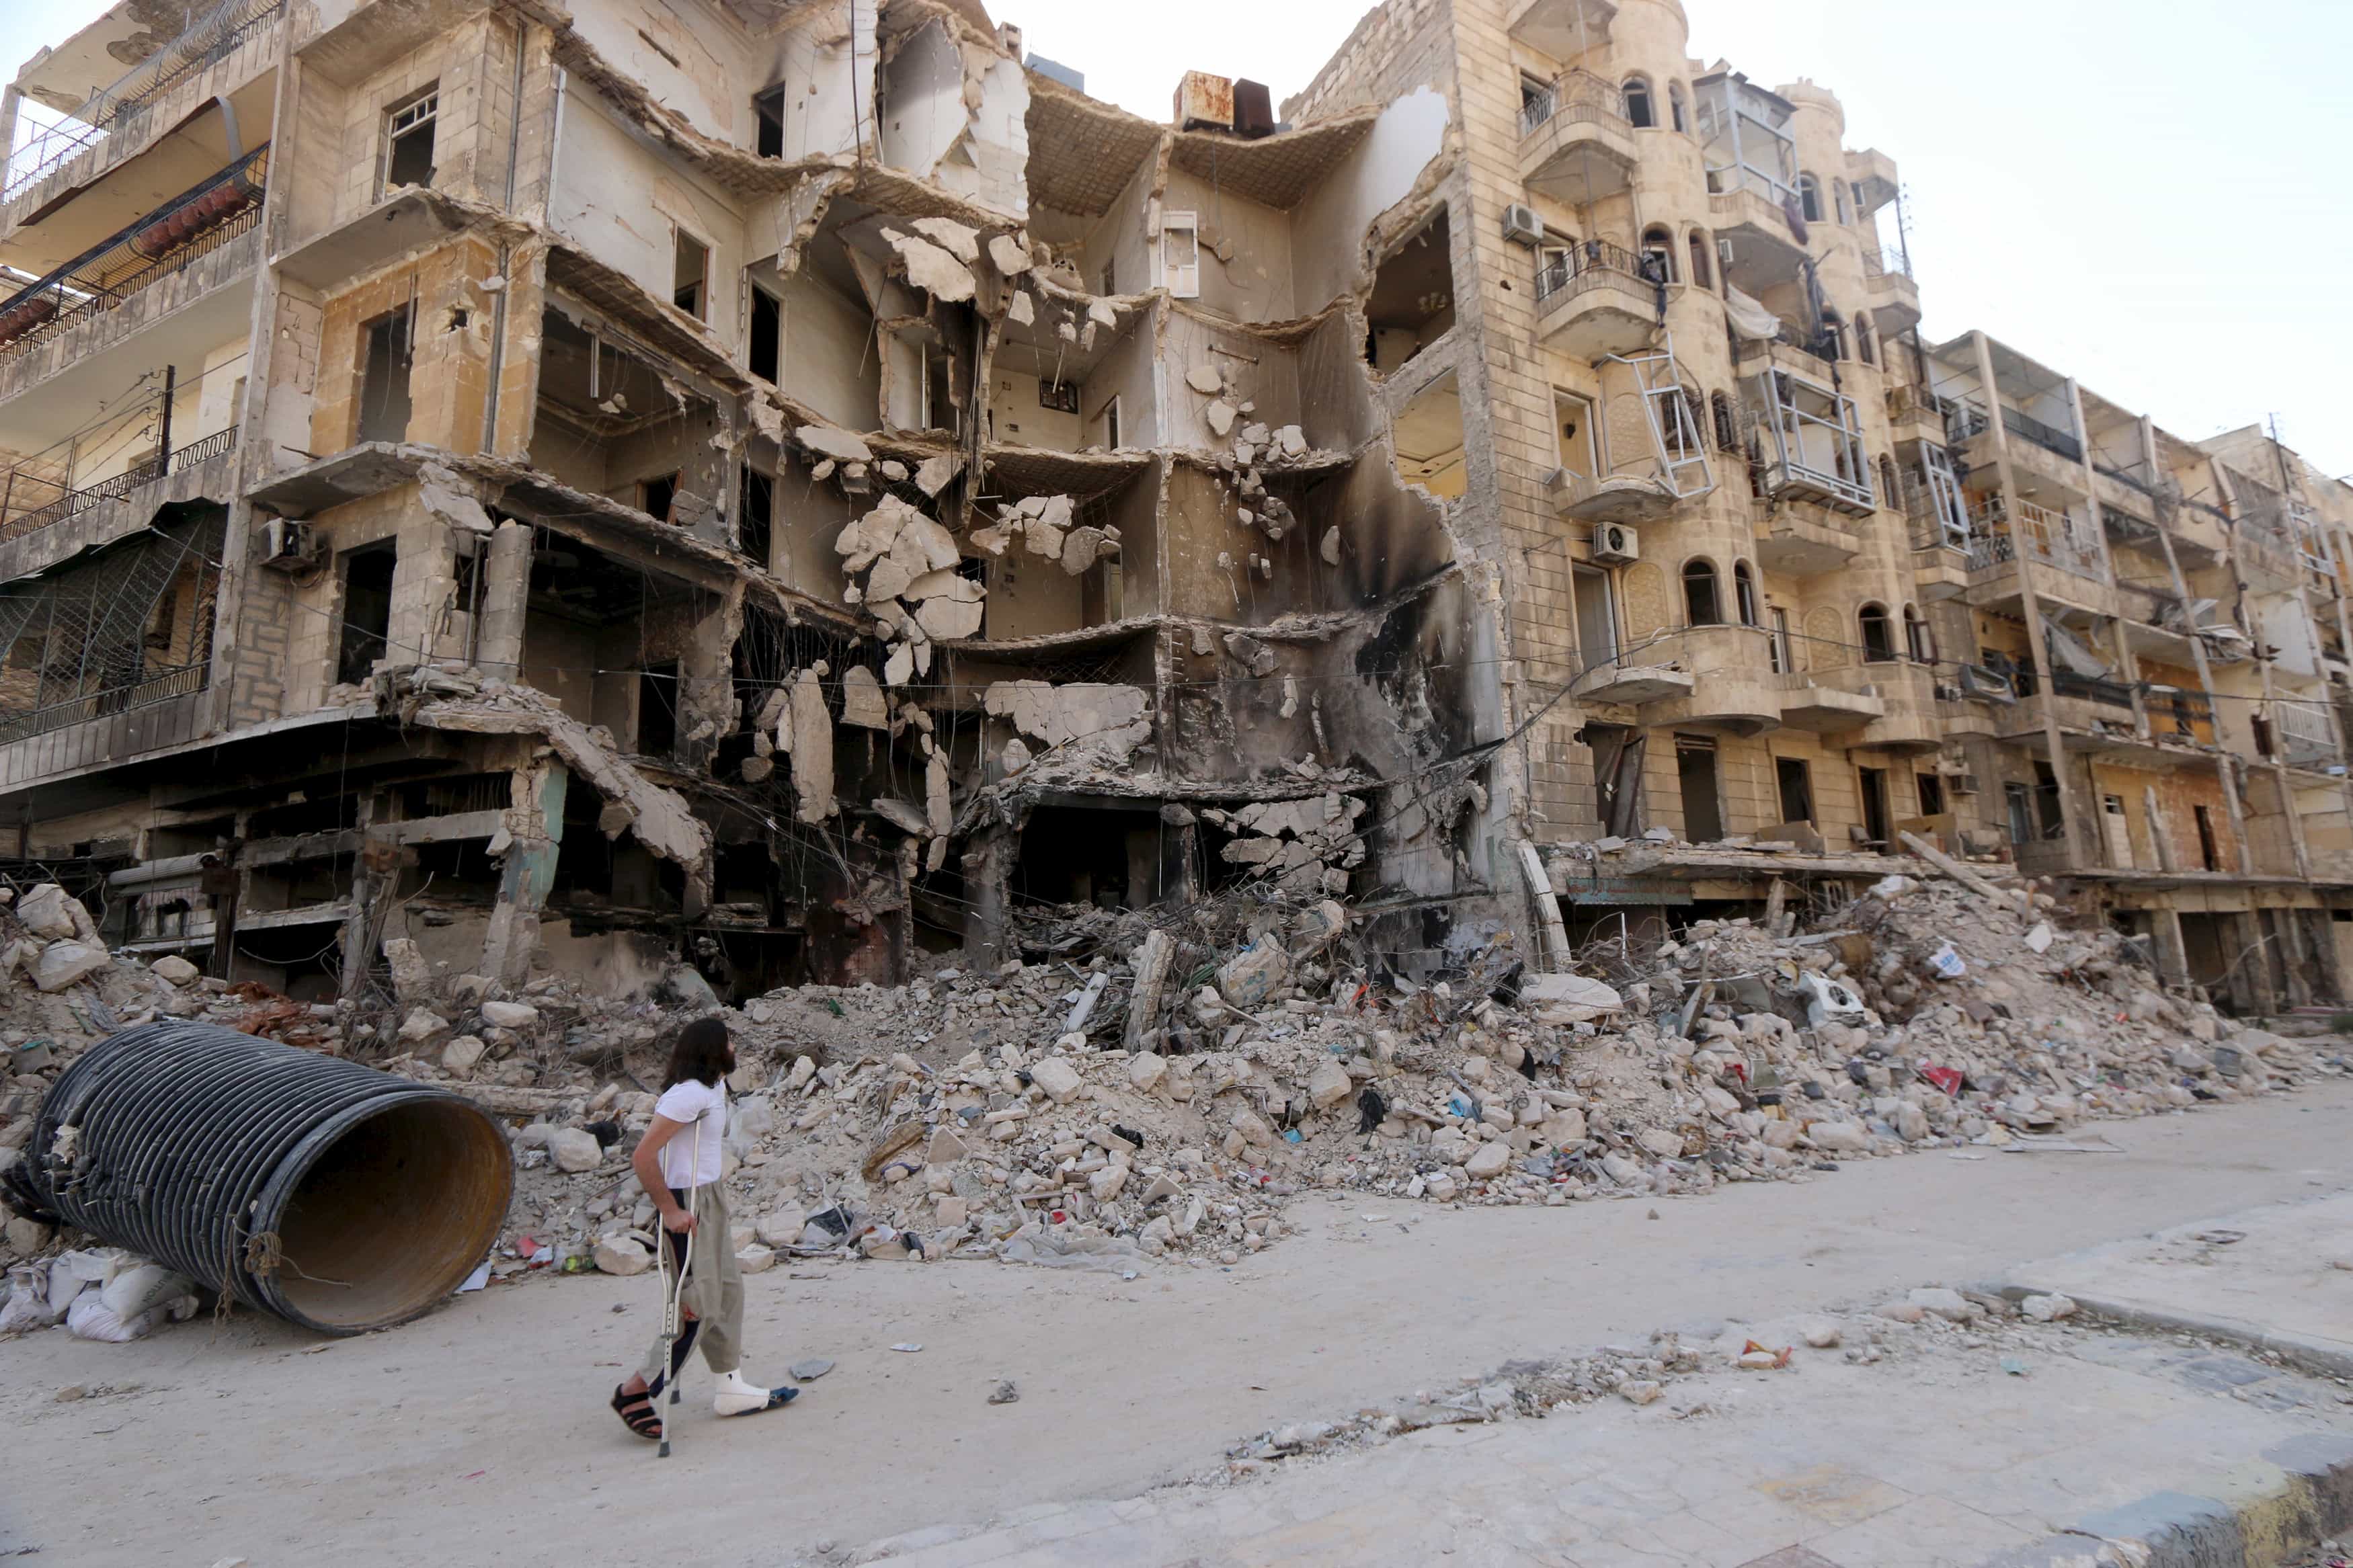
[[737, 1398]]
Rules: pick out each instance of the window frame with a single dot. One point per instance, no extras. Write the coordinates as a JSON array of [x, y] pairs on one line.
[[428, 100], [681, 237]]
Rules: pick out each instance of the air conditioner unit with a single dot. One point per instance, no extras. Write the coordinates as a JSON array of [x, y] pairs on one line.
[[1723, 253], [1522, 226], [1614, 543], [288, 545], [1979, 681], [1963, 784]]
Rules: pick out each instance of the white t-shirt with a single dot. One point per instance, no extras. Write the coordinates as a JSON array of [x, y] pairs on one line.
[[691, 1103]]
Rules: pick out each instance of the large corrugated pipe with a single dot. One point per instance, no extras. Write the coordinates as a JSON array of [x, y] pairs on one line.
[[337, 1197]]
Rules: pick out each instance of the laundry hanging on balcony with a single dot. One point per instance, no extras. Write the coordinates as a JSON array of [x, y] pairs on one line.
[[1751, 321]]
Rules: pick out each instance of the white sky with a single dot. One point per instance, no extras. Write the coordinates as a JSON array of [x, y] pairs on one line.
[[2151, 198]]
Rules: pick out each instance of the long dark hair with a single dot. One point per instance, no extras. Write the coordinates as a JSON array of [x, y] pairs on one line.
[[700, 1053]]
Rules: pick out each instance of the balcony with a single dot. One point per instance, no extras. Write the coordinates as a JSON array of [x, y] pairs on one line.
[[1614, 497], [1895, 298], [1806, 542], [1817, 441], [1912, 723], [1733, 689], [1826, 705], [1940, 569], [2053, 538], [1576, 144], [1562, 28], [41, 524], [1593, 299], [151, 102], [2267, 550], [1916, 414], [2184, 717], [2307, 735]]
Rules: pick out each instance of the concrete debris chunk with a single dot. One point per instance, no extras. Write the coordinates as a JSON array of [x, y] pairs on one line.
[[959, 240], [1008, 255], [1205, 380], [932, 268], [831, 441]]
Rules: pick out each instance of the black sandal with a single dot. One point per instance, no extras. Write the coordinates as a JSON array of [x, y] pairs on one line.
[[636, 1412]]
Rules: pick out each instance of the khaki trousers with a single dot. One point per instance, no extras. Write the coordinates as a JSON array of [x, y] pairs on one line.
[[714, 1294]]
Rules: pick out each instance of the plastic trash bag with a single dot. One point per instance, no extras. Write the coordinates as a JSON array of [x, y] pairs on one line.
[[1948, 965], [90, 1319]]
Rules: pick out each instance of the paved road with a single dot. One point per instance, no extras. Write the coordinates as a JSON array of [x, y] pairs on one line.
[[482, 1431]]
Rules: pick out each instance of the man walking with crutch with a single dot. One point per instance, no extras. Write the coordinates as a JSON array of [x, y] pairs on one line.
[[677, 1162]]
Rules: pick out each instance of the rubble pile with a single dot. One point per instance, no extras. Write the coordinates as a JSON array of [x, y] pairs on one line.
[[1033, 1113], [1159, 1084]]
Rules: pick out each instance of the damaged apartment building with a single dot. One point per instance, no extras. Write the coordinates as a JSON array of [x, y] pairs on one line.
[[1780, 581], [787, 485], [782, 486]]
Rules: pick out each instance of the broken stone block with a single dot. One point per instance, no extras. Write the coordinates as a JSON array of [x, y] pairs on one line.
[[1220, 416], [176, 970], [461, 1055], [932, 475], [621, 1255], [950, 1212], [1205, 380], [1329, 1085], [510, 1014], [575, 1149], [831, 441], [62, 963], [1252, 653], [1332, 546], [1146, 1069], [931, 269], [44, 912], [948, 620], [1253, 1129], [422, 1025], [1021, 309], [1057, 1078], [1292, 440], [1008, 255], [412, 977], [959, 240]]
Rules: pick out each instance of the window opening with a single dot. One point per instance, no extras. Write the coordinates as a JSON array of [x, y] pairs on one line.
[[1866, 341], [1677, 108], [1809, 199], [658, 709], [1637, 94], [1890, 495], [2046, 801], [770, 107], [384, 377], [1597, 619], [1701, 608], [1878, 645], [1659, 248], [689, 274], [755, 522], [1744, 593], [1111, 434], [1874, 803], [408, 140], [1727, 426], [767, 335], [2207, 855], [1695, 774], [1797, 789], [1931, 794], [1838, 195], [367, 612], [1574, 417], [1916, 637], [1777, 645], [1180, 254], [1700, 274], [2017, 799], [656, 495]]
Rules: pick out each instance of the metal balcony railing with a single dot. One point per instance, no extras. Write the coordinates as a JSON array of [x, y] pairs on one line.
[[1574, 95], [1964, 419], [1878, 264], [2049, 437], [122, 108], [189, 226], [2180, 715], [180, 680], [1590, 261], [73, 504], [2307, 738]]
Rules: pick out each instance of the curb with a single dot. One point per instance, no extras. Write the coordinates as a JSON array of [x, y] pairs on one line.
[[2324, 1358], [2297, 1494]]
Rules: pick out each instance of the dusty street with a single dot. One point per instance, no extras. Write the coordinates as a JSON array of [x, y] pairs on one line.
[[479, 1433]]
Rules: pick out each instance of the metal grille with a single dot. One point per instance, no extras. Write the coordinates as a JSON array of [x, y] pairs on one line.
[[132, 625]]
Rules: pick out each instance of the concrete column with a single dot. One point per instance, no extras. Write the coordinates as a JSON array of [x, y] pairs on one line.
[[360, 929], [2070, 807], [987, 868], [529, 872], [2173, 953], [506, 586]]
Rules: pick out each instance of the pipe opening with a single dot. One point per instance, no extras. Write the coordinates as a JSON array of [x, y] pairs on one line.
[[392, 1215]]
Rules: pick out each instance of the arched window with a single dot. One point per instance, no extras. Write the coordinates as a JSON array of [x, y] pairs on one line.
[[1701, 606], [1838, 195], [1916, 637], [1700, 271], [1866, 343], [1658, 243], [1743, 594], [1676, 106], [1637, 97], [1727, 428], [1889, 491], [1878, 639], [1833, 335], [1809, 197]]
